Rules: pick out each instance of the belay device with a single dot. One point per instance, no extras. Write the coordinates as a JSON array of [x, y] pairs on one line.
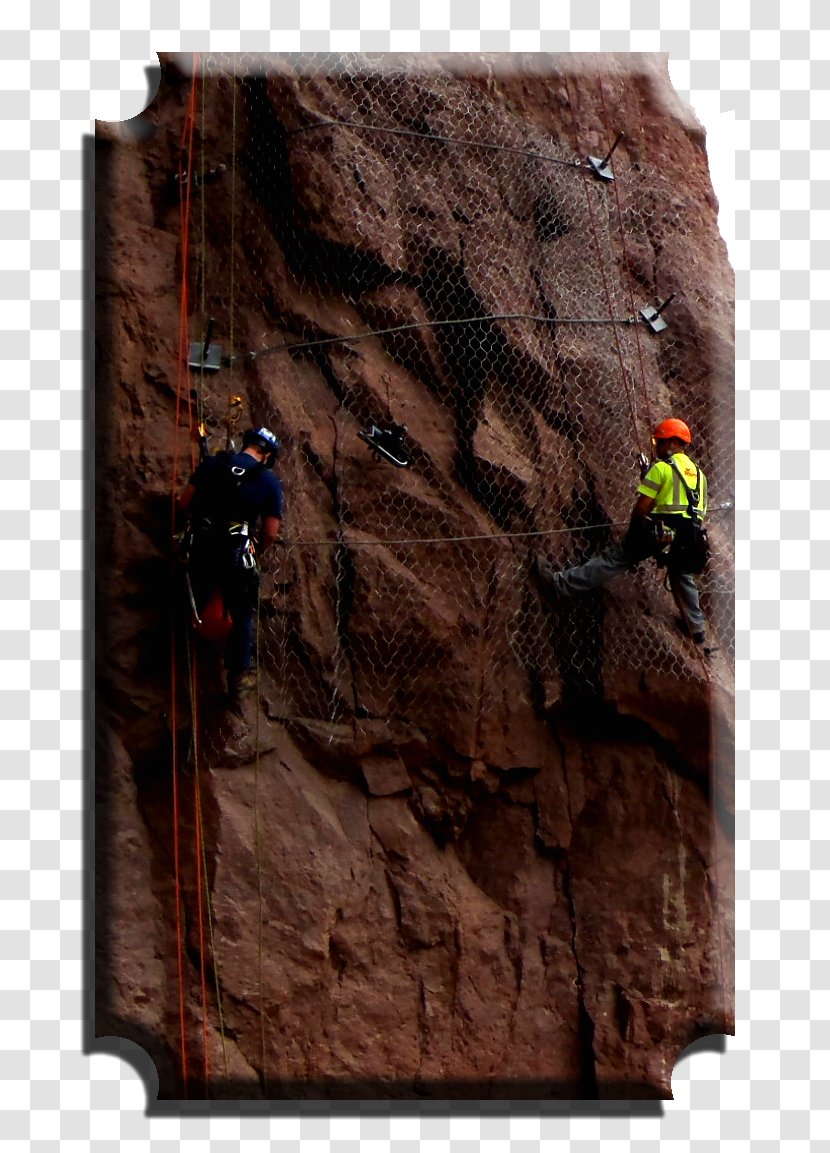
[[388, 443]]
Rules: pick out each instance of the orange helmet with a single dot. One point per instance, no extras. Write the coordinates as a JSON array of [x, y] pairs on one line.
[[671, 428]]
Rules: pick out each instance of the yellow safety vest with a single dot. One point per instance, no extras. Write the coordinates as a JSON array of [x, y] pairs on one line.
[[663, 484]]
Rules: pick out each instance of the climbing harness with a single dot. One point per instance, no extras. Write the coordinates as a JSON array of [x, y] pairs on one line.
[[690, 551]]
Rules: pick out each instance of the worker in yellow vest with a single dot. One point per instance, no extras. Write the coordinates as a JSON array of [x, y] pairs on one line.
[[666, 523]]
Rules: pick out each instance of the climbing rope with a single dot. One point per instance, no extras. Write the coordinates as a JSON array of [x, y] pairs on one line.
[[298, 346], [233, 408], [605, 284], [201, 876], [258, 855], [204, 916], [628, 273], [370, 542], [202, 881], [177, 880], [185, 152], [233, 413], [198, 861], [434, 137]]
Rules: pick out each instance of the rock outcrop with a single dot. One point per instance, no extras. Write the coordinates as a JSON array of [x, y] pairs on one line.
[[459, 842]]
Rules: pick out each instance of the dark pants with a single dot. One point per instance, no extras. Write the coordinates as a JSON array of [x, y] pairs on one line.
[[600, 569], [214, 565], [240, 601], [640, 544]]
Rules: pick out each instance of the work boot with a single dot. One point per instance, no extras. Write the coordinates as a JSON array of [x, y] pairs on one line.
[[547, 578], [240, 684], [698, 637]]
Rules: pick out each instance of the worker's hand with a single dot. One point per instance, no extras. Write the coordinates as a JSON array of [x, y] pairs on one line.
[[180, 545]]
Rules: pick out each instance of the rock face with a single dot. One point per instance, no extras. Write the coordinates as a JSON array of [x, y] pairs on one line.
[[460, 842]]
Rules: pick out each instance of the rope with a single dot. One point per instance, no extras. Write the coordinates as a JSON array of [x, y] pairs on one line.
[[327, 123], [186, 145], [202, 871], [199, 857], [629, 277], [202, 241], [606, 287], [351, 542], [212, 938], [258, 855], [233, 251], [343, 339], [192, 664], [258, 633], [203, 904], [177, 878], [202, 875], [232, 411]]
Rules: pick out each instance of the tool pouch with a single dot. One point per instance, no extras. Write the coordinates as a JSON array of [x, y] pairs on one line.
[[643, 540], [689, 552]]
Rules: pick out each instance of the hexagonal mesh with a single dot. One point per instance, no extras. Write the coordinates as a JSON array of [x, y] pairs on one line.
[[391, 245]]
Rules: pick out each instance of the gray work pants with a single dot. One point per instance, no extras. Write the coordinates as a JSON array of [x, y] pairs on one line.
[[603, 567]]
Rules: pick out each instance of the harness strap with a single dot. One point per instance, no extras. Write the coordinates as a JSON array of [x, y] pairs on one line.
[[232, 527], [693, 494]]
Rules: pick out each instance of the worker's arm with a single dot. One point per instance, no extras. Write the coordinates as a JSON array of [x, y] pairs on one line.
[[642, 507], [183, 503], [639, 540], [270, 531], [186, 498]]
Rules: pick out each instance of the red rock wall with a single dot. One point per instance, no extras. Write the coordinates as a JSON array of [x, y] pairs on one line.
[[458, 844]]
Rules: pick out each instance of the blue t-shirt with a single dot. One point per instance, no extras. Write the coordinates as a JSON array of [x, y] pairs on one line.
[[223, 496]]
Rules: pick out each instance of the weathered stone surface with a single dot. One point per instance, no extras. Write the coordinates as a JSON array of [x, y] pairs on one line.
[[384, 775], [452, 873]]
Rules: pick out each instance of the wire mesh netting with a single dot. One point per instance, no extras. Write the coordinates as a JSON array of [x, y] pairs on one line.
[[392, 248]]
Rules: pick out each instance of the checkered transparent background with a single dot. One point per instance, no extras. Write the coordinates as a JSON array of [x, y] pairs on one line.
[[766, 62]]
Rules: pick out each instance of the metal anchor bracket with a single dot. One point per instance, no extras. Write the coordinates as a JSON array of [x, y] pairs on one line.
[[652, 316], [205, 356], [600, 167]]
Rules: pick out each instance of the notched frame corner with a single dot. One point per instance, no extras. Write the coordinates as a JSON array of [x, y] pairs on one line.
[[135, 1055], [139, 125]]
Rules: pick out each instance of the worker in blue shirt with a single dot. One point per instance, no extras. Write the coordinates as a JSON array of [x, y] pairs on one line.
[[234, 503]]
